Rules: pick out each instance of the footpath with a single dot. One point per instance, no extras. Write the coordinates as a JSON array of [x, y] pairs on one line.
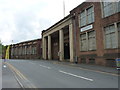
[[8, 79]]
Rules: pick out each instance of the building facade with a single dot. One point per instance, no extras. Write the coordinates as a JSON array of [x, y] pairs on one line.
[[27, 50], [90, 34], [97, 26], [57, 41]]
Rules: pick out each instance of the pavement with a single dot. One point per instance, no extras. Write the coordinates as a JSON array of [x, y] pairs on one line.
[[8, 78]]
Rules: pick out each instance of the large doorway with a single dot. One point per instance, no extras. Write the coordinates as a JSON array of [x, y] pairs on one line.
[[55, 45], [66, 43], [66, 51]]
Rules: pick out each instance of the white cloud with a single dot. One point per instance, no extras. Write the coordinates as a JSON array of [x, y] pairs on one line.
[[25, 19]]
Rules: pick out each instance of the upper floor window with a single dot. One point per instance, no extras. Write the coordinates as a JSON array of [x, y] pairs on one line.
[[83, 18], [90, 15], [110, 8], [86, 16]]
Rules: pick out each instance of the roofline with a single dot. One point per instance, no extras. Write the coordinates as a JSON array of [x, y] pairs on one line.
[[78, 6], [56, 23], [27, 41], [84, 3]]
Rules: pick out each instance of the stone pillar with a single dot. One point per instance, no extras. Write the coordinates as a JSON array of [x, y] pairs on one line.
[[49, 47], [71, 43], [44, 48], [61, 45]]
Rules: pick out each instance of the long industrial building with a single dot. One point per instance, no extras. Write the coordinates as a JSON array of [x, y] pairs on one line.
[[27, 50], [89, 34]]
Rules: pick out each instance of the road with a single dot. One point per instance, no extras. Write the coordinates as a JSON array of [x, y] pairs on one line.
[[48, 74]]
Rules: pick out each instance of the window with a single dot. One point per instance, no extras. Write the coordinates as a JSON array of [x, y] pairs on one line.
[[90, 15], [16, 51], [20, 50], [88, 41], [91, 40], [118, 35], [118, 8], [12, 51], [25, 50], [83, 18], [34, 50], [28, 50], [110, 8], [83, 42], [110, 37], [87, 16]]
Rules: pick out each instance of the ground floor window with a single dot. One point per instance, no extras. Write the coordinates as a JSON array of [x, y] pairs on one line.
[[33, 50], [118, 25], [88, 41], [110, 40], [112, 36], [83, 42], [12, 52], [25, 51], [91, 40]]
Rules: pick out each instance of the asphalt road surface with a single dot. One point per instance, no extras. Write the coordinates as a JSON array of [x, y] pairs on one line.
[[48, 74]]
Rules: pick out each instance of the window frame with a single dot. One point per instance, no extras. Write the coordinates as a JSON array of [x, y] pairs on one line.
[[95, 48], [114, 9], [87, 41], [86, 16], [116, 36]]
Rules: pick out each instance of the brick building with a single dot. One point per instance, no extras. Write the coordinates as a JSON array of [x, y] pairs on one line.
[[97, 28], [90, 34], [27, 50]]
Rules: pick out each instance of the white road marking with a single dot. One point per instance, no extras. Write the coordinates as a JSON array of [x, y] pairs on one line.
[[45, 66], [76, 75], [4, 66]]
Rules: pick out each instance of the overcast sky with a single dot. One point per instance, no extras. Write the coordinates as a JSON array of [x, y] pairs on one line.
[[22, 20]]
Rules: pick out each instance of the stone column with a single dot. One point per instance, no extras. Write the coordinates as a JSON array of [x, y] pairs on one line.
[[71, 43], [61, 45], [49, 47], [44, 48]]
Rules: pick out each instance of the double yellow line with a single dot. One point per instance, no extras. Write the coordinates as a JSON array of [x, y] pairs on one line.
[[18, 73]]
